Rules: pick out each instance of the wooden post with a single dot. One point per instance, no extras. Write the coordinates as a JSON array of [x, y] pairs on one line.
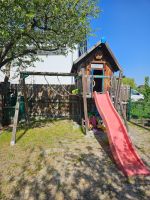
[[112, 87], [80, 107], [118, 90], [13, 138], [85, 99], [123, 115]]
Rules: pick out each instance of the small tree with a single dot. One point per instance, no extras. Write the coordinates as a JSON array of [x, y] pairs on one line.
[[146, 89], [129, 81], [31, 25]]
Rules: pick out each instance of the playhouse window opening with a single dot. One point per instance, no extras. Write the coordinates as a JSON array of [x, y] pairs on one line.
[[98, 82], [98, 72]]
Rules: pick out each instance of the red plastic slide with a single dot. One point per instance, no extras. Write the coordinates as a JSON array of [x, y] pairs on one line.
[[120, 144]]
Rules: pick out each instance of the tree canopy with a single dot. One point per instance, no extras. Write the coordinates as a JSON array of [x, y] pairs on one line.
[[49, 25]]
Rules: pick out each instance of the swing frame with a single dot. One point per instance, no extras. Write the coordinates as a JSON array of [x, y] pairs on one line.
[[22, 92]]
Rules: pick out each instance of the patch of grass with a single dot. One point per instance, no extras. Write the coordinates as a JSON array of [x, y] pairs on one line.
[[5, 138], [47, 137], [34, 147], [2, 196], [43, 135]]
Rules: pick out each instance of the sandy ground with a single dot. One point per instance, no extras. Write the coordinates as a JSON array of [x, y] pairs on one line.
[[79, 169]]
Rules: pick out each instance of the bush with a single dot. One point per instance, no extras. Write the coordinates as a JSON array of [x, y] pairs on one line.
[[140, 109]]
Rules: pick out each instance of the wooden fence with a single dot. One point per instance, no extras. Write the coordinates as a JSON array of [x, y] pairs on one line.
[[52, 101], [123, 96]]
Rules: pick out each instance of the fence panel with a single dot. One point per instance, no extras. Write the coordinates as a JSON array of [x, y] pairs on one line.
[[51, 101]]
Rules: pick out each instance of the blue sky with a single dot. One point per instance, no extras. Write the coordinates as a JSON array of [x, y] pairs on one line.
[[126, 26]]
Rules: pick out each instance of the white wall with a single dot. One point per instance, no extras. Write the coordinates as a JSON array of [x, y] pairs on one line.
[[50, 63], [1, 76]]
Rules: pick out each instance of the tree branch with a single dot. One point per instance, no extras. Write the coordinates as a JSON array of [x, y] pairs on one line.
[[26, 52], [8, 47], [38, 44], [7, 60]]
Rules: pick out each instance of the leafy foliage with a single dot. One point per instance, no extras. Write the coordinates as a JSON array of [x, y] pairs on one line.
[[141, 109], [49, 25], [146, 89], [129, 81]]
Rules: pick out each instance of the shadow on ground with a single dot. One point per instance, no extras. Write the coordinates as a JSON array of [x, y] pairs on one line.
[[34, 123], [70, 176], [102, 139]]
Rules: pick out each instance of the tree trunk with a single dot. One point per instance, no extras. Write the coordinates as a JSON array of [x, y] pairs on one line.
[[7, 72]]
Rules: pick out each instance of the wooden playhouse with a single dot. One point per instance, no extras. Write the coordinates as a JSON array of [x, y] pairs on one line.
[[96, 70], [99, 64]]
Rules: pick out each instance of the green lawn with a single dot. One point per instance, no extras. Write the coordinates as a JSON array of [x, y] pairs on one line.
[[40, 137], [42, 133]]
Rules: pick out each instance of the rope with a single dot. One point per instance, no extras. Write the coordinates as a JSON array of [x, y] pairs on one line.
[[63, 86], [54, 89]]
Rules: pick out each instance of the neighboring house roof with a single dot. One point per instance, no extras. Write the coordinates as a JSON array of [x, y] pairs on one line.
[[141, 86], [105, 48]]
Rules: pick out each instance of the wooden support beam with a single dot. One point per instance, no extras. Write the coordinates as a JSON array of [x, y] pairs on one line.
[[47, 73], [15, 123], [117, 95], [80, 108], [13, 138], [112, 87], [85, 99], [123, 114]]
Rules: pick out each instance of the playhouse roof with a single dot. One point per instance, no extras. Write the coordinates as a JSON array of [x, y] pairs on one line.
[[107, 51]]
